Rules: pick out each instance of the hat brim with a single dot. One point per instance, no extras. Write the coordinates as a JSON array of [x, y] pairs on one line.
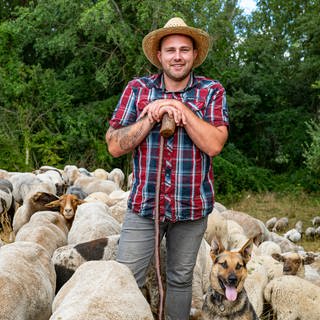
[[202, 41]]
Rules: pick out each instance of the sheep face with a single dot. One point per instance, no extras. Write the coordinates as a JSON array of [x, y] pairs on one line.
[[68, 204], [292, 262]]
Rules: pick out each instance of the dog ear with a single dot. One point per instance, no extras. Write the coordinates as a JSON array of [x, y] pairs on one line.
[[246, 250], [216, 248]]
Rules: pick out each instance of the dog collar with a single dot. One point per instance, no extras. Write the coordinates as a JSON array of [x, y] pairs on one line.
[[217, 299]]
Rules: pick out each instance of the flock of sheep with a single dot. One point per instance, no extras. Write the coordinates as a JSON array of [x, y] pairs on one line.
[[59, 238]]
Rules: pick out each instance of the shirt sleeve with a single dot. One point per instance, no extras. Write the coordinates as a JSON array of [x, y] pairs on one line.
[[125, 112], [217, 108]]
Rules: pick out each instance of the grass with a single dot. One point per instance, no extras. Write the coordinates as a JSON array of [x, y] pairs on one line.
[[295, 206]]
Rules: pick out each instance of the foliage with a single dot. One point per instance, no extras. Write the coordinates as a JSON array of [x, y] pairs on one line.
[[312, 150], [64, 64], [234, 174]]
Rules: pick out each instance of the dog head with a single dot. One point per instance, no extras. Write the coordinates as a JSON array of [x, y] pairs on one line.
[[229, 268]]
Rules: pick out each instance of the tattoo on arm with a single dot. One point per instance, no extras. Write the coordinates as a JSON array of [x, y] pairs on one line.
[[128, 137]]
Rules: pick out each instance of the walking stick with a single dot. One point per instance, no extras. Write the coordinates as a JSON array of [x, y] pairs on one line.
[[167, 129]]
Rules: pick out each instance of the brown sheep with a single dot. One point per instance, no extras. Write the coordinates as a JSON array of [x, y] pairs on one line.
[[68, 204]]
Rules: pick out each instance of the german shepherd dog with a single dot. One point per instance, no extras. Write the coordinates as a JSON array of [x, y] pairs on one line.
[[226, 297]]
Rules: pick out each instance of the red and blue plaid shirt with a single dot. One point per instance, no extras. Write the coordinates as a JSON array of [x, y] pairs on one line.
[[187, 191]]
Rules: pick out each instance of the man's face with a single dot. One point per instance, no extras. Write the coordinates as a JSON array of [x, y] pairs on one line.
[[176, 56]]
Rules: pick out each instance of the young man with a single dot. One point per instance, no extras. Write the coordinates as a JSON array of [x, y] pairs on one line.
[[198, 106]]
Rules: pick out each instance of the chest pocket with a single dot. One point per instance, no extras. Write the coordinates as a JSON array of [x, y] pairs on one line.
[[197, 106]]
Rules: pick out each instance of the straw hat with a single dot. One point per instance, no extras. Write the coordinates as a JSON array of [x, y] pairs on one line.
[[151, 42]]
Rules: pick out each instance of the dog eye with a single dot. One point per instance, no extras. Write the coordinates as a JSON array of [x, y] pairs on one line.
[[224, 265], [238, 266]]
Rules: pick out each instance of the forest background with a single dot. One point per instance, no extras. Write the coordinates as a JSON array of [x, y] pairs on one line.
[[64, 64]]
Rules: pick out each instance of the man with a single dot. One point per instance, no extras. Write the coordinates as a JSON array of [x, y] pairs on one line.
[[198, 107]]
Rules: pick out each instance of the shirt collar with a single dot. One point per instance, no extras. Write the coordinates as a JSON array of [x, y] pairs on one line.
[[159, 82]]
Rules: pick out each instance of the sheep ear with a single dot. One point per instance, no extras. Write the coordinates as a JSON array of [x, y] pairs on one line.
[[308, 260], [53, 204], [277, 256], [80, 201], [246, 250], [216, 248]]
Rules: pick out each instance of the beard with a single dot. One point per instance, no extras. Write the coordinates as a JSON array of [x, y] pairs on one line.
[[177, 76]]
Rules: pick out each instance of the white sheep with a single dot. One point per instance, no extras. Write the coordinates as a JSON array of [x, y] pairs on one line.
[[217, 227], [299, 226], [253, 228], [271, 223], [100, 174], [27, 281], [293, 235], [92, 221], [268, 248], [68, 258], [93, 184], [281, 224], [116, 175], [46, 228], [292, 298], [316, 221], [101, 290], [310, 233]]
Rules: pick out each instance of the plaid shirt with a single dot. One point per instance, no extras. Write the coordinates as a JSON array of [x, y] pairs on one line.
[[187, 191]]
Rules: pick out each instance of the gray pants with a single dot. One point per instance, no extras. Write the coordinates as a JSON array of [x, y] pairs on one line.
[[183, 239]]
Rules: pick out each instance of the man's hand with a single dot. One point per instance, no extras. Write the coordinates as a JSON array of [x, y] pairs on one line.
[[156, 109]]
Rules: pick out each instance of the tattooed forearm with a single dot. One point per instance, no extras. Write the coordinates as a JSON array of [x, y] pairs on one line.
[[127, 138]]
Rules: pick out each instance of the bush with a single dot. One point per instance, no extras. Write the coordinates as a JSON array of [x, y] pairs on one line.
[[234, 174]]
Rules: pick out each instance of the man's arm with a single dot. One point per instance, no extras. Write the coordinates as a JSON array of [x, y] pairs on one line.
[[124, 140]]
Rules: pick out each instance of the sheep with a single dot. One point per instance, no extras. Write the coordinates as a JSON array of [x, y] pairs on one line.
[[284, 243], [116, 175], [101, 290], [70, 174], [235, 235], [92, 221], [310, 233], [293, 298], [25, 185], [316, 221], [281, 224], [201, 276], [216, 227], [253, 228], [268, 248], [317, 232], [7, 210], [54, 176], [93, 184], [220, 207], [255, 284], [46, 228], [129, 181], [101, 174], [68, 258], [293, 235], [296, 264], [34, 203], [299, 226], [77, 191], [271, 223], [68, 204], [27, 281]]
